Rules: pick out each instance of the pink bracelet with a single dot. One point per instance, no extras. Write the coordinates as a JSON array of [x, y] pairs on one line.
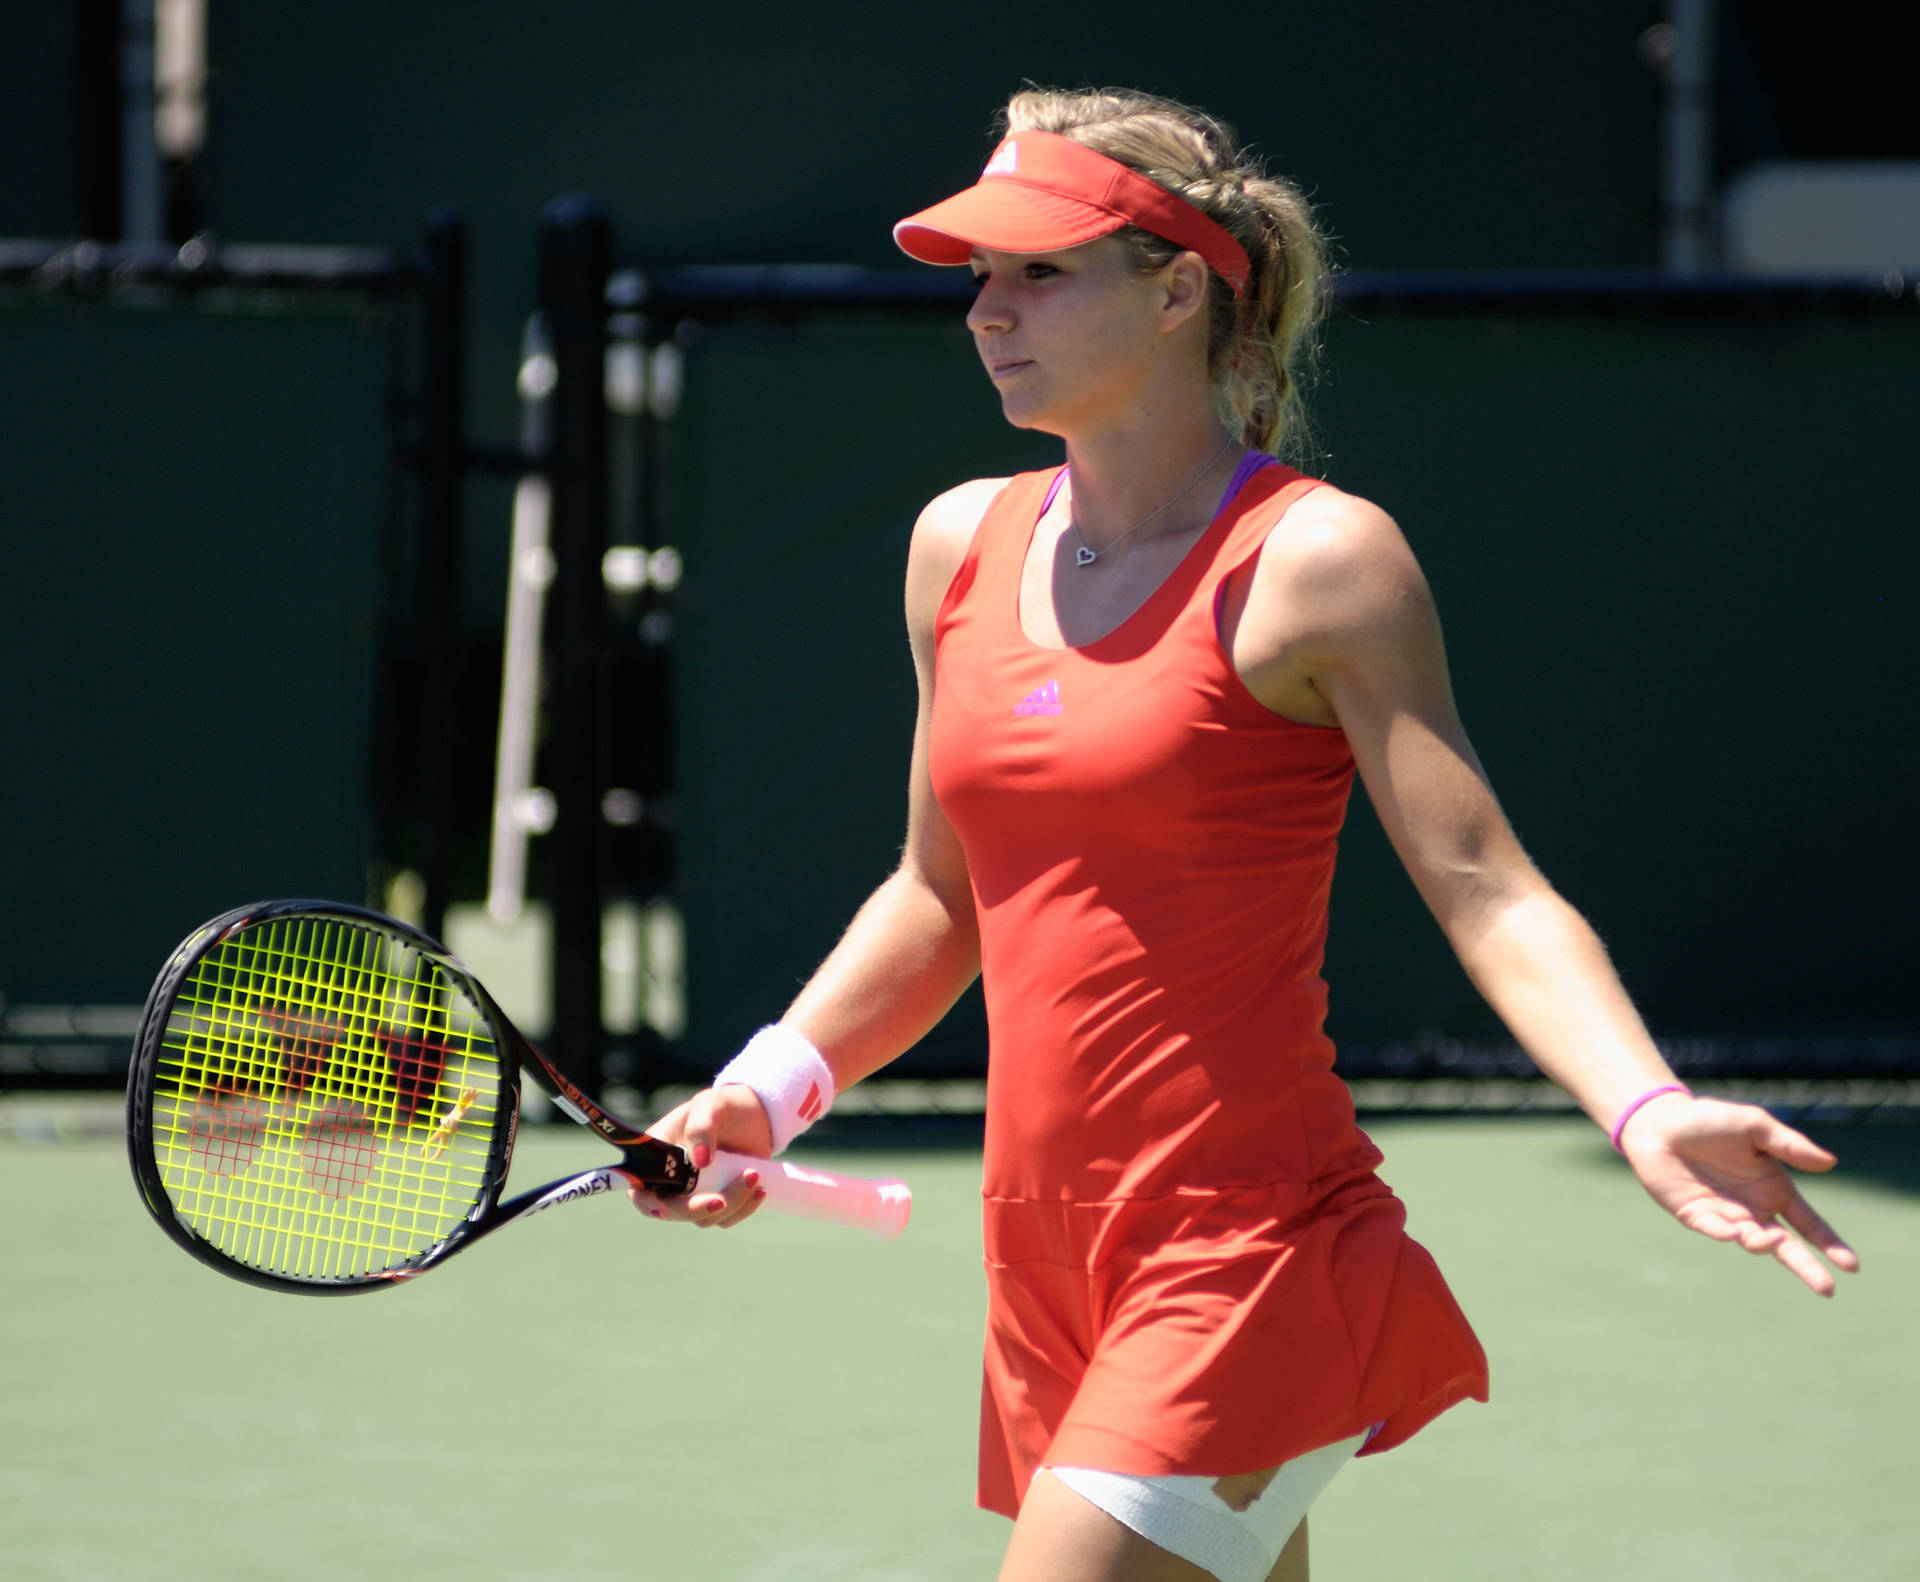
[[1627, 1114]]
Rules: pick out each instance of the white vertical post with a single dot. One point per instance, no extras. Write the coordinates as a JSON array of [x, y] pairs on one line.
[[1687, 139], [180, 77], [141, 219], [519, 807]]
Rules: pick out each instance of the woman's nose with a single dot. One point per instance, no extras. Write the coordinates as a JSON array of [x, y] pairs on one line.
[[989, 312]]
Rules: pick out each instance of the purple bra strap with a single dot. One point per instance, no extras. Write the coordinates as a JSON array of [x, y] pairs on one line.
[[1250, 463]]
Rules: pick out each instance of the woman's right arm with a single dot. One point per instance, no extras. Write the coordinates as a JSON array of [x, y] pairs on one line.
[[911, 949]]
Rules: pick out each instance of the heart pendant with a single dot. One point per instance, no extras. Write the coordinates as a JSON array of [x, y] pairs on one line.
[[1084, 556]]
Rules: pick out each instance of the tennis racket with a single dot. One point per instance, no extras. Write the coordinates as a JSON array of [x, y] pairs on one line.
[[321, 1100]]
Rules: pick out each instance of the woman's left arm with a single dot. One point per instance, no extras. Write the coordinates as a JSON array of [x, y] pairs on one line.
[[1371, 650]]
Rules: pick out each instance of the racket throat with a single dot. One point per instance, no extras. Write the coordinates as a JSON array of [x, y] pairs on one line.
[[589, 1183]]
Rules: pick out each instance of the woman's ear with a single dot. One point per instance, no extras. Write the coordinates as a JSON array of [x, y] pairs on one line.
[[1185, 279]]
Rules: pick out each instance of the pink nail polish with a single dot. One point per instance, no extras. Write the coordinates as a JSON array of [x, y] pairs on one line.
[[702, 1156]]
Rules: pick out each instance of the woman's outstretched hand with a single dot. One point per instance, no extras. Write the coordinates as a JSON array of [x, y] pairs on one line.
[[730, 1118], [1721, 1169]]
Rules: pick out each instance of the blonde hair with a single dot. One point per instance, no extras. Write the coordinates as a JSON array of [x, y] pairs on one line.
[[1264, 344]]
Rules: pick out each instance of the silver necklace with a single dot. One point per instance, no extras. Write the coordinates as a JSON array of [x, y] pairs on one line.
[[1086, 556]]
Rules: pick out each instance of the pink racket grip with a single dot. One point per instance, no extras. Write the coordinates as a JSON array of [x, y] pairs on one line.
[[880, 1208]]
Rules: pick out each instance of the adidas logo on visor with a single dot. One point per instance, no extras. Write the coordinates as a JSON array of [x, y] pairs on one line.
[[1005, 159]]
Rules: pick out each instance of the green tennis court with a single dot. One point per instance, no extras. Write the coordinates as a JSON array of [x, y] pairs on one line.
[[592, 1396]]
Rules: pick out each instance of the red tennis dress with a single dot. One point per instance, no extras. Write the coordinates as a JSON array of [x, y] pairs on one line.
[[1191, 1265]]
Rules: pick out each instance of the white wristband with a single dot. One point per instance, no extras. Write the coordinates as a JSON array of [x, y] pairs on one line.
[[787, 1075]]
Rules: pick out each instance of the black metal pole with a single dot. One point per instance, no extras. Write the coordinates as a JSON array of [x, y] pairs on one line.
[[576, 253], [437, 584], [96, 119]]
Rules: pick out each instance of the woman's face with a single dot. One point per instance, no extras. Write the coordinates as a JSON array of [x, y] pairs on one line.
[[1076, 339]]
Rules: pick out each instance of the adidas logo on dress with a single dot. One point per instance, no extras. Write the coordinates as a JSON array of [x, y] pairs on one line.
[[1044, 700]]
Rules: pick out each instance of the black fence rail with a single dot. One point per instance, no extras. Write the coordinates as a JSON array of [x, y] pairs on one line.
[[725, 292], [95, 269], [1838, 1056]]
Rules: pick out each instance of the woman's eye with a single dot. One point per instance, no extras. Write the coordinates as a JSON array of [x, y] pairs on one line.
[[1027, 272]]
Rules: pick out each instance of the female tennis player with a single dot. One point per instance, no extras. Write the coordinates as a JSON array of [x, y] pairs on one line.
[[1146, 681]]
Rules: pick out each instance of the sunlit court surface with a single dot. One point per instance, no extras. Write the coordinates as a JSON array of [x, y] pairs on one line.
[[596, 1396]]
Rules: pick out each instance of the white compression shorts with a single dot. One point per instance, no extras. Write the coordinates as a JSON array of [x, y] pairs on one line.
[[1185, 1517]]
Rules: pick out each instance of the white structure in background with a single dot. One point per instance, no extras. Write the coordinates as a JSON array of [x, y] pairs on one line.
[[1784, 217], [1824, 217], [1680, 51], [179, 76], [163, 105], [508, 941], [142, 191]]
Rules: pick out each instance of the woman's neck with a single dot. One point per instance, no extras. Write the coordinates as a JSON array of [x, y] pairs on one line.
[[1163, 471]]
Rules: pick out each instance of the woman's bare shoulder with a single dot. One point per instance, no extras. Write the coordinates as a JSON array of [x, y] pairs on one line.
[[1329, 521], [1340, 550], [940, 539], [1334, 580], [951, 517]]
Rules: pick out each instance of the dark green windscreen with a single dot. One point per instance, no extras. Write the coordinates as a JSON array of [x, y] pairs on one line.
[[191, 512], [802, 459], [1431, 136], [1676, 566], [1674, 560]]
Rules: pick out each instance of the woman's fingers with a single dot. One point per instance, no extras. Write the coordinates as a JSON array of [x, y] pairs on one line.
[[1823, 1237], [1791, 1147], [1728, 1221], [1722, 1170], [1709, 1219], [716, 1118], [708, 1210], [700, 1128], [724, 1210], [1799, 1259], [1758, 1238], [646, 1202], [1802, 1153]]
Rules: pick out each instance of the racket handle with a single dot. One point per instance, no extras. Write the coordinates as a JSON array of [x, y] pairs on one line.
[[879, 1207]]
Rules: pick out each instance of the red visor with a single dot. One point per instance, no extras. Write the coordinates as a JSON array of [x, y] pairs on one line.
[[1041, 192]]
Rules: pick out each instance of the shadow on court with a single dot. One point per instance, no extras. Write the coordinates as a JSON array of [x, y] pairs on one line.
[[1881, 1154], [1885, 1156], [887, 1133]]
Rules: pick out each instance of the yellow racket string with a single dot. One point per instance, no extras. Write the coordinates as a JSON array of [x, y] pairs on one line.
[[325, 1100]]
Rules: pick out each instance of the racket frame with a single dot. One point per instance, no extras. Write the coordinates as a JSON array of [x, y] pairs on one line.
[[646, 1161]]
